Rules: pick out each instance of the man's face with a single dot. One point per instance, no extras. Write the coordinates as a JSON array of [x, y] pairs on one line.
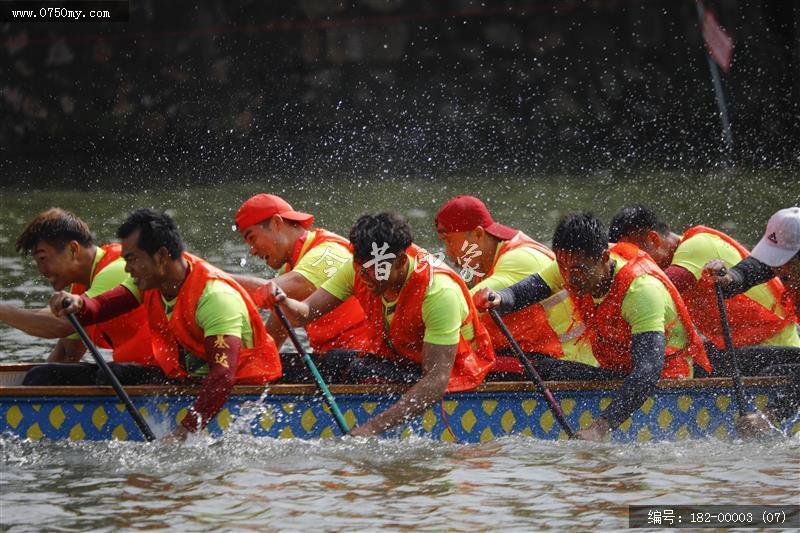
[[582, 274], [56, 265], [147, 271], [654, 244], [789, 273], [369, 275], [267, 243], [454, 242]]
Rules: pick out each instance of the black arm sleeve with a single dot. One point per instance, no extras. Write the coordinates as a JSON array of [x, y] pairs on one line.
[[529, 291], [647, 351], [746, 274]]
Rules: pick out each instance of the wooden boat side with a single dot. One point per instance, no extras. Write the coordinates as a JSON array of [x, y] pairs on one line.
[[678, 409], [303, 389]]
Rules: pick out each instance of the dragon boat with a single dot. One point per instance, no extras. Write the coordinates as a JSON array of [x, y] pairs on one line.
[[679, 409]]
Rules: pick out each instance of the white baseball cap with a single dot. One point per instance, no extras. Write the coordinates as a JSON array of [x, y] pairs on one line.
[[782, 239]]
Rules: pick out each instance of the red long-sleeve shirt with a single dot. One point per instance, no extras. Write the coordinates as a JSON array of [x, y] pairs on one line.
[[680, 277]]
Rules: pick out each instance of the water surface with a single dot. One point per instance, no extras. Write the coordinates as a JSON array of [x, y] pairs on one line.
[[242, 482]]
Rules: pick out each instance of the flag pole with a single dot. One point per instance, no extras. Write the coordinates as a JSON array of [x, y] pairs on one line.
[[721, 104]]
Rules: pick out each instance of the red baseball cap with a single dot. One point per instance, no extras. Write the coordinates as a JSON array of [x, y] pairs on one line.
[[464, 213], [263, 206]]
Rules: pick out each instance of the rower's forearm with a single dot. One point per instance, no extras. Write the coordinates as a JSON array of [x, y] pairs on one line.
[[36, 322], [250, 283], [58, 354], [647, 352], [276, 330], [746, 274], [298, 313], [529, 291], [223, 355], [106, 306], [415, 401], [67, 351]]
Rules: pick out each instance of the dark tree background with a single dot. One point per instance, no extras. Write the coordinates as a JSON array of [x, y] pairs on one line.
[[318, 87]]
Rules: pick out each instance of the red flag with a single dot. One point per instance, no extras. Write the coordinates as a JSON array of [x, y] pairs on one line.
[[718, 42]]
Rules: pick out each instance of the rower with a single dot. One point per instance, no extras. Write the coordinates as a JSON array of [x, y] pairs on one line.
[[423, 328], [777, 254], [305, 257], [496, 256], [757, 317], [204, 325], [65, 253], [636, 321]]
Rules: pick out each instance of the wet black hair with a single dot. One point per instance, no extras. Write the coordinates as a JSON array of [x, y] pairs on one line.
[[389, 228], [156, 230], [55, 227], [581, 232], [635, 219]]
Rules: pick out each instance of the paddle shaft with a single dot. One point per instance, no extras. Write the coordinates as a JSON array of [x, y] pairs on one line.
[[137, 416], [738, 388], [534, 375], [329, 399]]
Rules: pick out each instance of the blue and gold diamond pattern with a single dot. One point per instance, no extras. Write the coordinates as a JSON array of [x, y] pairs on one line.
[[463, 417]]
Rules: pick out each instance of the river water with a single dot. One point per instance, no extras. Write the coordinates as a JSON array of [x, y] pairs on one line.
[[239, 482]]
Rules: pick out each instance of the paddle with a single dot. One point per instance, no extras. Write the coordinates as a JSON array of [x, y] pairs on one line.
[[532, 373], [738, 388], [329, 399], [121, 394]]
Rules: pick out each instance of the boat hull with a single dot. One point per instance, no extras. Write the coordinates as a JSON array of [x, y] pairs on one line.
[[678, 410]]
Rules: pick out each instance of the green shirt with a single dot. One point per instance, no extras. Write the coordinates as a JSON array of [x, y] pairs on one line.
[[514, 266], [111, 276], [444, 307], [320, 263], [108, 278], [693, 254], [220, 311], [646, 306]]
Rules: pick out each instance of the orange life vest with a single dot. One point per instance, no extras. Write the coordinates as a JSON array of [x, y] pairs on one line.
[[256, 365], [404, 337], [529, 326], [609, 333], [127, 335], [344, 327], [751, 323], [791, 302]]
